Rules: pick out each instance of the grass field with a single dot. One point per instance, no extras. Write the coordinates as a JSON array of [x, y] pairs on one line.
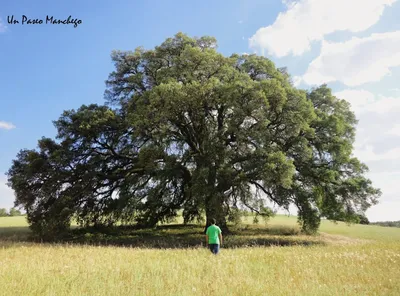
[[272, 259]]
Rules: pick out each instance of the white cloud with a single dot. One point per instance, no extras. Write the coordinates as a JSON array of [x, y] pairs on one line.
[[378, 145], [297, 80], [6, 125], [306, 21], [3, 27], [358, 99], [388, 180], [385, 105], [357, 61], [384, 211], [379, 124], [289, 3], [363, 101], [6, 194], [395, 130], [389, 203], [368, 154]]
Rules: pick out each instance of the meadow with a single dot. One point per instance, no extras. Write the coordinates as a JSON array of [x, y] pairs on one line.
[[263, 259]]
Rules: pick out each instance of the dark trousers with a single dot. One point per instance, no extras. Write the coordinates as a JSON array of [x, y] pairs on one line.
[[214, 248]]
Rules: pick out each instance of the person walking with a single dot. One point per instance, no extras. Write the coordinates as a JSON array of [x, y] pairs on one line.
[[214, 237]]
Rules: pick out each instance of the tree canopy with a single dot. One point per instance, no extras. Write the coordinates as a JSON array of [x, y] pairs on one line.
[[185, 127]]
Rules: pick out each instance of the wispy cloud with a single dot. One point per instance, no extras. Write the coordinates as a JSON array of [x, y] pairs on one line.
[[6, 125], [357, 61], [3, 27]]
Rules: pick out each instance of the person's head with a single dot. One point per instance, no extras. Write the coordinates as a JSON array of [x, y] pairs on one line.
[[213, 221]]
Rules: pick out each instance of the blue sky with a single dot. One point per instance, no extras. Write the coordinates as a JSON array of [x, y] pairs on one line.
[[49, 68], [46, 69]]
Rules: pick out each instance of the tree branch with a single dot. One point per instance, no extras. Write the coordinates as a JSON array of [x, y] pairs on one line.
[[265, 191]]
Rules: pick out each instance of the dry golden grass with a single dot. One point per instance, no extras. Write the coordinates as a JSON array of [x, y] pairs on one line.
[[364, 262]]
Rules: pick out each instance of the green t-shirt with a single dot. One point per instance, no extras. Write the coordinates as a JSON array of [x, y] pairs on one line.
[[213, 231]]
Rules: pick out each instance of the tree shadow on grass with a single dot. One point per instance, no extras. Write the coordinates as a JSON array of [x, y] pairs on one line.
[[173, 236], [15, 233], [253, 230]]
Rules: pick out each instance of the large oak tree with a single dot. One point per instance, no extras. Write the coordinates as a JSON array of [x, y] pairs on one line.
[[185, 127]]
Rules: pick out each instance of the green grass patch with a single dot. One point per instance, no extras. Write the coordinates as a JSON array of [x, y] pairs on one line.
[[271, 259]]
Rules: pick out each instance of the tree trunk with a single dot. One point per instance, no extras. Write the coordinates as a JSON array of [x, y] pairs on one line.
[[216, 210], [214, 201]]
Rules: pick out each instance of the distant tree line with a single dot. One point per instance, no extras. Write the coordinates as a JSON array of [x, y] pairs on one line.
[[387, 223], [11, 212], [360, 219]]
